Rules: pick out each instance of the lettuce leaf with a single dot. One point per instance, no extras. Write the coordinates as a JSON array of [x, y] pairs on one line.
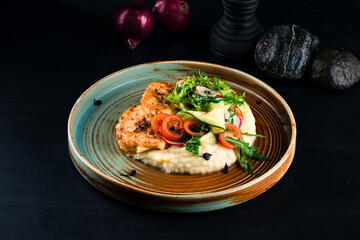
[[186, 95]]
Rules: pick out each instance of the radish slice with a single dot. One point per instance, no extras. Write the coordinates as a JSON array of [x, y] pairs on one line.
[[175, 143], [201, 90], [236, 119]]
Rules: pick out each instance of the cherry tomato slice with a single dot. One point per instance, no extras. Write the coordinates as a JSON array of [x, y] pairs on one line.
[[172, 128], [193, 127], [231, 131], [237, 111], [157, 120]]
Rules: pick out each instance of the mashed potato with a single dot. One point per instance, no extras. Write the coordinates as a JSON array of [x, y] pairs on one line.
[[178, 160]]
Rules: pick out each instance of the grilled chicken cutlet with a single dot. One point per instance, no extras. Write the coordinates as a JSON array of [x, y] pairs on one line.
[[133, 132], [153, 99]]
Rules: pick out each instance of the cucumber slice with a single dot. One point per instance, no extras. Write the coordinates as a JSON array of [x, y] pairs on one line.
[[214, 116], [208, 138], [183, 107]]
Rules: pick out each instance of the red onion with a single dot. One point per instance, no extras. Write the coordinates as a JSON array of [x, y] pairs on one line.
[[204, 91], [133, 22], [174, 15], [236, 119], [175, 143]]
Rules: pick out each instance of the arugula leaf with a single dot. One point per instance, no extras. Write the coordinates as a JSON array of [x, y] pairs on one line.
[[193, 145], [245, 153], [246, 163], [246, 149], [202, 129], [231, 114], [234, 99], [253, 135]]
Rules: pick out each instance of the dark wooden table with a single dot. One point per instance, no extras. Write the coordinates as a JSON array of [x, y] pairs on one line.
[[51, 51]]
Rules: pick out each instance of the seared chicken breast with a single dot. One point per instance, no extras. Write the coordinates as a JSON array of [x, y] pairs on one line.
[[134, 133], [154, 98]]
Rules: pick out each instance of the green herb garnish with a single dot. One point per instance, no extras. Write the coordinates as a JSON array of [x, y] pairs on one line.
[[231, 115], [193, 145], [248, 150], [253, 135], [245, 153], [186, 95]]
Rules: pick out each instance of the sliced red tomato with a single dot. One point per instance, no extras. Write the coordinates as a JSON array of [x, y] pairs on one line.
[[157, 120], [237, 111], [193, 127], [230, 131], [172, 128]]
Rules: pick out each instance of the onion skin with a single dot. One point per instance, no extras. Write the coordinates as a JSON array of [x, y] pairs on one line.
[[173, 15], [133, 23]]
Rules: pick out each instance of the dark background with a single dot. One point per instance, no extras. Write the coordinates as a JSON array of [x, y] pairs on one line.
[[52, 51]]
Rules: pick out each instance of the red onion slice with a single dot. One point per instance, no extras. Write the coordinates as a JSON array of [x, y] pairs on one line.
[[236, 119], [202, 91], [175, 143]]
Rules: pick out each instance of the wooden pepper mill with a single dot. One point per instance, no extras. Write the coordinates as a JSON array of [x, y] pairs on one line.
[[236, 33]]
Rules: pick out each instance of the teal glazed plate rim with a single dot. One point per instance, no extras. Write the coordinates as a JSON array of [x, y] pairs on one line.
[[95, 153]]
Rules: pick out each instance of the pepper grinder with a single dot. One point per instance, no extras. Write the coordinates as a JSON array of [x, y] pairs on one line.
[[235, 35]]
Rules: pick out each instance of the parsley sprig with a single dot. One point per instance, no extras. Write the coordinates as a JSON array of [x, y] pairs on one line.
[[193, 145]]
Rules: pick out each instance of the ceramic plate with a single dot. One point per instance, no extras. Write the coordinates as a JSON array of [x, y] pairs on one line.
[[95, 152]]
